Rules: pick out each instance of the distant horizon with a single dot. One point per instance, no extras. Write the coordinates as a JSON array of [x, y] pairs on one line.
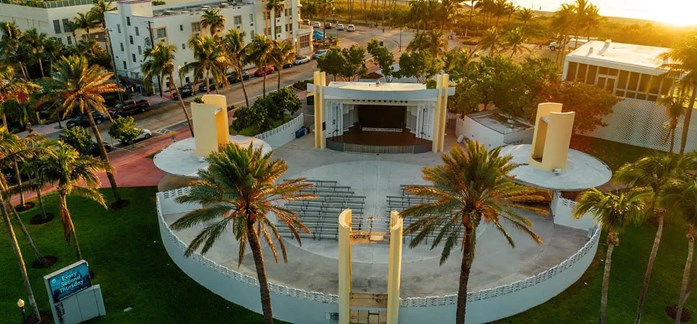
[[675, 12]]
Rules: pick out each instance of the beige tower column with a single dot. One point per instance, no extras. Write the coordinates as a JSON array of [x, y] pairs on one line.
[[436, 117], [210, 120], [394, 267], [443, 112], [319, 81], [323, 82], [551, 137], [345, 261]]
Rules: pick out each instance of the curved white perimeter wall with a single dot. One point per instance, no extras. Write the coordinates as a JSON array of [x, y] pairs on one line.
[[283, 134], [307, 307]]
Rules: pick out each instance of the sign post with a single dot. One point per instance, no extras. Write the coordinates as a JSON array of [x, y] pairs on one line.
[[71, 294]]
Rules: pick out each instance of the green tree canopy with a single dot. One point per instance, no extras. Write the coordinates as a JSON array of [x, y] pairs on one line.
[[124, 129]]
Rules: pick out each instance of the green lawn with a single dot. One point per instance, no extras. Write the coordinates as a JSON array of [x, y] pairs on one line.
[[612, 153], [124, 250]]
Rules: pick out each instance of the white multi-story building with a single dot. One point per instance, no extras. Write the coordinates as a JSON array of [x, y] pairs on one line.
[[50, 17], [135, 22], [634, 74]]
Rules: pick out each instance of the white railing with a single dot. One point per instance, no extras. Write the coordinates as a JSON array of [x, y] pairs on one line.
[[283, 134]]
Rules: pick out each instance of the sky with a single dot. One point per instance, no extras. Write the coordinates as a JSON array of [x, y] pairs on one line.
[[676, 12]]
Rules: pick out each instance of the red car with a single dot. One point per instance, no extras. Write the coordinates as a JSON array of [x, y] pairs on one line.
[[260, 72]]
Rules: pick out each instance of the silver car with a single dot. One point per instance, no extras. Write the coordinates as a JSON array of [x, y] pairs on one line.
[[301, 60]]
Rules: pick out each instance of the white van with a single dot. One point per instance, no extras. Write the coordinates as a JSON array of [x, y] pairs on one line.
[[573, 44]]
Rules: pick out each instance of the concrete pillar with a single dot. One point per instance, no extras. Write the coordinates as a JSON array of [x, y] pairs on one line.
[[210, 118], [435, 145], [551, 137], [318, 108], [443, 112], [394, 267], [323, 119], [345, 260]]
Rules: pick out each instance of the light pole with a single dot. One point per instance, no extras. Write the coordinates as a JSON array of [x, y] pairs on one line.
[[20, 304]]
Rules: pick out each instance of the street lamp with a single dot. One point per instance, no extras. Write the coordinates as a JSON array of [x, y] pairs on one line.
[[20, 304]]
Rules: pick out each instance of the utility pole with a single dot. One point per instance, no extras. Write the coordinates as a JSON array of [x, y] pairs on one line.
[[110, 51], [152, 46]]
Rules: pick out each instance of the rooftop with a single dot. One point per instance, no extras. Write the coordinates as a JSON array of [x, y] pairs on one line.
[[629, 55], [375, 86], [499, 123]]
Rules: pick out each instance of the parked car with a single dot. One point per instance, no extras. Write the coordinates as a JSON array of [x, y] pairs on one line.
[[186, 91], [316, 24], [328, 26], [260, 72], [211, 85], [144, 134], [301, 60], [129, 107], [83, 121], [319, 53], [232, 77], [287, 65], [340, 27], [95, 149], [350, 28]]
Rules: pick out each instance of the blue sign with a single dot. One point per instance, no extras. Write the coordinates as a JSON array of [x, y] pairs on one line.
[[69, 281]]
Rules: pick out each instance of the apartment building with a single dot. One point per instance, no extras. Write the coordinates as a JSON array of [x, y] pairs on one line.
[[136, 25], [634, 74]]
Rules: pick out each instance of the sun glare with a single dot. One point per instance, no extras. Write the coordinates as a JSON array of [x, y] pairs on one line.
[[680, 13]]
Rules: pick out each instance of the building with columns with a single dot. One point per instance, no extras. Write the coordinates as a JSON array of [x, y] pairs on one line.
[[136, 23]]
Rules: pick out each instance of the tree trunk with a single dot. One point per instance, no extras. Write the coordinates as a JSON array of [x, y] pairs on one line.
[[41, 203], [208, 82], [105, 157], [685, 274], [672, 141], [23, 228], [611, 241], [22, 202], [688, 118], [278, 84], [67, 220], [20, 260], [244, 88], [255, 246], [273, 23], [467, 258], [173, 87], [263, 85], [41, 68], [652, 259]]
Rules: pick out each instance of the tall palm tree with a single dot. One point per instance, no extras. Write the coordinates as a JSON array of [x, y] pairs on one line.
[[675, 108], [208, 60], [613, 212], [86, 21], [563, 22], [240, 190], [651, 172], [470, 187], [82, 87], [326, 8], [275, 6], [491, 40], [680, 198], [10, 43], [11, 86], [67, 169], [682, 65], [526, 15], [235, 53], [515, 40], [161, 64], [283, 53], [35, 44], [212, 19], [99, 8], [259, 53], [73, 26]]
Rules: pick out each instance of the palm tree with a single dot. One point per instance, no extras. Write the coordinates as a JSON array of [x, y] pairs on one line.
[[562, 22], [259, 53], [86, 21], [526, 15], [73, 26], [66, 169], [212, 19], [161, 64], [325, 8], [275, 7], [470, 187], [240, 190], [651, 172], [675, 108], [491, 40], [20, 112], [682, 65], [35, 44], [11, 86], [235, 53], [82, 87], [680, 197], [208, 60], [99, 8], [613, 212], [10, 43], [515, 41], [283, 52]]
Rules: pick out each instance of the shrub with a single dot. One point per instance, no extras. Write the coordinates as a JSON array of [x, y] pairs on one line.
[[286, 100], [124, 129], [79, 138]]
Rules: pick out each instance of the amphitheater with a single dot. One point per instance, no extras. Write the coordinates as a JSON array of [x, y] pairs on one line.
[[504, 280]]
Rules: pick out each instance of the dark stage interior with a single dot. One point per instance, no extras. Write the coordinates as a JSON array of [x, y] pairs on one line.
[[380, 126]]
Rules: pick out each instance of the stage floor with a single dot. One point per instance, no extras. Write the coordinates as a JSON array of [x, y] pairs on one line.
[[378, 138]]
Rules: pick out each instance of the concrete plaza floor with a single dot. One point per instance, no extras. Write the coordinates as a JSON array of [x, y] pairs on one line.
[[313, 266]]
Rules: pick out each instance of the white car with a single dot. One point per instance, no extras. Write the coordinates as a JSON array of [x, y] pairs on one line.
[[350, 28], [340, 27], [301, 60], [144, 134], [316, 24], [319, 53]]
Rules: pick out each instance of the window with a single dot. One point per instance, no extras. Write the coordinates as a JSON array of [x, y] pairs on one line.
[[305, 41], [70, 40], [161, 33], [130, 39], [196, 27], [125, 67], [644, 83], [251, 19], [278, 29], [622, 83], [140, 50], [183, 46], [121, 47], [137, 31], [592, 70], [57, 26], [633, 81], [134, 57], [66, 25], [571, 71], [581, 74], [128, 21], [118, 28], [238, 20], [181, 27]]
